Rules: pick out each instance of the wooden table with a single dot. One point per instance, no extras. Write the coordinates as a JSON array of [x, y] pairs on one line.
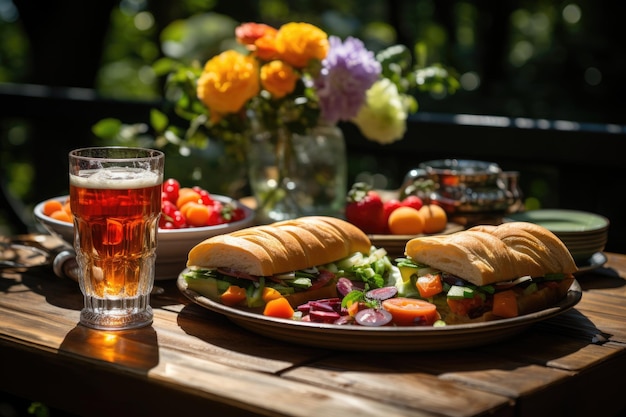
[[195, 362]]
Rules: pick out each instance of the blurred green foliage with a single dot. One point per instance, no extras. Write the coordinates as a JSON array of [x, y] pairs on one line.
[[538, 59]]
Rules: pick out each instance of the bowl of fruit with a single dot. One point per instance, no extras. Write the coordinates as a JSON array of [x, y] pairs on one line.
[[188, 216]]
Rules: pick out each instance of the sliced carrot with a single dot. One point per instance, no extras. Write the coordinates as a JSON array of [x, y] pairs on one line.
[[233, 295], [505, 304], [353, 308], [279, 307], [429, 285], [411, 311], [270, 294], [463, 306], [51, 206]]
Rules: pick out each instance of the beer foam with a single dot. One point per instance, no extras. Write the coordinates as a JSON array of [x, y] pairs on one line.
[[115, 178]]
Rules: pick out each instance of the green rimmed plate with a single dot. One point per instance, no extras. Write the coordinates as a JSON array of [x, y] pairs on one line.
[[562, 221]]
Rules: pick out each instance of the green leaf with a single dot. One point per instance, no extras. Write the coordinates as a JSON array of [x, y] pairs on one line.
[[158, 120], [164, 66], [107, 128], [352, 297]]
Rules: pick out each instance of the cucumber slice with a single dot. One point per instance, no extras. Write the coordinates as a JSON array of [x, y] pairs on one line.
[[254, 296], [302, 282], [458, 292], [205, 286]]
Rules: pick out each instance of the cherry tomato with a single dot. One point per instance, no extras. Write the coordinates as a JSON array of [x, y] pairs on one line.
[[238, 214], [205, 197], [178, 220], [388, 207], [216, 215], [168, 208], [171, 188], [413, 201], [166, 224]]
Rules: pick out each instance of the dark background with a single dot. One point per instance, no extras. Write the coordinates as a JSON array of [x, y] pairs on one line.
[[551, 71]]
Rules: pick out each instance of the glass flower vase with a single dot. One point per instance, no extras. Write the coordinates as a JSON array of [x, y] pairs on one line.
[[293, 175]]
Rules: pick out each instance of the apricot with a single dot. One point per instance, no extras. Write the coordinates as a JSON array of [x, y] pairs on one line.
[[406, 221], [51, 206], [186, 195], [61, 215], [435, 218]]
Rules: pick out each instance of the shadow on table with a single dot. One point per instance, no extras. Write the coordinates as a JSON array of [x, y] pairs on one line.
[[601, 278], [217, 330]]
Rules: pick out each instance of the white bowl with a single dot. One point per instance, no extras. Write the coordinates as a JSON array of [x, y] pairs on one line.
[[173, 245]]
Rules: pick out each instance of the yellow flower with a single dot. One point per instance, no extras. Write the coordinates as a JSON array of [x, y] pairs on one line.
[[278, 78], [383, 117], [298, 43], [227, 82]]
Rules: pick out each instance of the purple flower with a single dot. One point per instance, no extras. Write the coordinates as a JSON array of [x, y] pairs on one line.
[[348, 71]]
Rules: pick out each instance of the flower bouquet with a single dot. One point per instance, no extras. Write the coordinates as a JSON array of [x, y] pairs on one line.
[[281, 91]]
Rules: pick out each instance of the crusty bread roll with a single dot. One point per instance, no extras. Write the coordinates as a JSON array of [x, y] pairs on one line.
[[488, 254], [281, 247]]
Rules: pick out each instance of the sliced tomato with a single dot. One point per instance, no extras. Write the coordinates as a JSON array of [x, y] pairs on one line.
[[410, 311]]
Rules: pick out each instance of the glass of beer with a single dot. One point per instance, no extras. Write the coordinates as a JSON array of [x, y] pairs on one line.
[[115, 196]]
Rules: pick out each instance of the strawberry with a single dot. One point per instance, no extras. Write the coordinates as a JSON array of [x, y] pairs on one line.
[[364, 209]]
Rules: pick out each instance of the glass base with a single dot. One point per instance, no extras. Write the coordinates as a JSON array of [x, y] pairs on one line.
[[115, 321], [116, 314]]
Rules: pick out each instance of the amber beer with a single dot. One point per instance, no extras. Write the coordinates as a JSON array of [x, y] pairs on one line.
[[116, 208]]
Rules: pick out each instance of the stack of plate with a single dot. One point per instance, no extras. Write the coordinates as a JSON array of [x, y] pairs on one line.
[[584, 234]]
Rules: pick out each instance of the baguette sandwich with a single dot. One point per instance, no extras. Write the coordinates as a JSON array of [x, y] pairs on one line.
[[300, 259], [488, 272]]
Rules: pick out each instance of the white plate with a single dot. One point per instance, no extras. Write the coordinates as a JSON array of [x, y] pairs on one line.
[[381, 339]]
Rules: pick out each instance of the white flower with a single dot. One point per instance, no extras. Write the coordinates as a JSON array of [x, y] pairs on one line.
[[383, 117]]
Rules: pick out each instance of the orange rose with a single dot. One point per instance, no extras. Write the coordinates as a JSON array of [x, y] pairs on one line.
[[259, 38], [266, 47], [227, 82], [248, 33], [298, 43], [278, 78]]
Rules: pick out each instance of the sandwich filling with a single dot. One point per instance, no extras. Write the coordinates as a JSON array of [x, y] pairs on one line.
[[220, 284], [459, 300]]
